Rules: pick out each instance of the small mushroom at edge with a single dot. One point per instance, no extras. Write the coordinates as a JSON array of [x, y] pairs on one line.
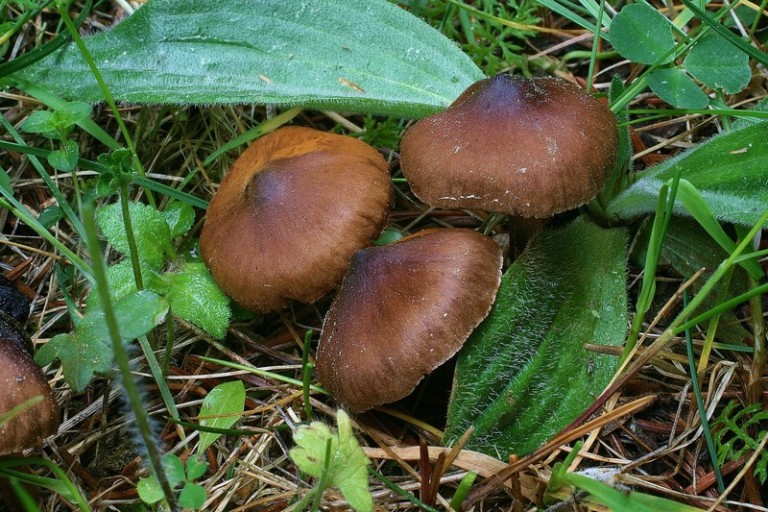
[[290, 214], [402, 311], [21, 380], [531, 147]]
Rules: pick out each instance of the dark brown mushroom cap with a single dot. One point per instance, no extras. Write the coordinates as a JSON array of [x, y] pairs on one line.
[[531, 147], [21, 380], [402, 311], [290, 214]]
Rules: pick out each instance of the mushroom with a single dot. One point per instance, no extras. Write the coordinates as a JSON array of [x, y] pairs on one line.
[[287, 218], [402, 311], [530, 147], [21, 381]]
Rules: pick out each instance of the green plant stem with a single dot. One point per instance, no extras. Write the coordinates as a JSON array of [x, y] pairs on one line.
[[322, 483], [157, 376], [121, 356], [711, 332], [25, 499], [595, 45], [261, 373], [170, 339], [107, 93], [463, 489], [661, 220], [700, 405], [131, 239]]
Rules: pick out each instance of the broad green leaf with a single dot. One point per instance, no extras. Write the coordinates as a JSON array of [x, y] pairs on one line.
[[221, 409], [192, 496], [180, 217], [195, 468], [348, 466], [642, 34], [676, 88], [65, 159], [149, 490], [150, 229], [40, 121], [719, 64], [729, 171], [52, 124], [174, 469], [355, 55], [121, 282], [525, 373], [88, 349], [195, 297]]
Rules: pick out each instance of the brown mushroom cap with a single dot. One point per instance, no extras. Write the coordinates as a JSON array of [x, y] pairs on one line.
[[402, 311], [531, 147], [21, 380], [290, 214]]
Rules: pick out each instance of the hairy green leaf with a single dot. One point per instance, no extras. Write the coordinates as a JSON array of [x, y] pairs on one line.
[[150, 229], [221, 408], [180, 217], [676, 88], [642, 34], [88, 350], [195, 297], [525, 373], [356, 55], [122, 282], [729, 171]]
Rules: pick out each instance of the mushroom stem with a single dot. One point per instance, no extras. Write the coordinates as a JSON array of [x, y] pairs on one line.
[[521, 231]]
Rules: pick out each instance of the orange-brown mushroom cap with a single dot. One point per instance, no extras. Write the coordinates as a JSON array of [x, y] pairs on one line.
[[21, 380], [290, 214], [402, 311], [531, 147]]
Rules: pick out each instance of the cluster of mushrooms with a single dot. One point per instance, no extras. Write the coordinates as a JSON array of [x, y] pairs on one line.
[[297, 215]]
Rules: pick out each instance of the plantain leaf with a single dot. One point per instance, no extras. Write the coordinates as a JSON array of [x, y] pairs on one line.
[[728, 170], [353, 55], [524, 374]]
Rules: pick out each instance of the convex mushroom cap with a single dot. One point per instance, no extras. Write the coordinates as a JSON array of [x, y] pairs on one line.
[[402, 311], [290, 214], [530, 147], [20, 381]]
